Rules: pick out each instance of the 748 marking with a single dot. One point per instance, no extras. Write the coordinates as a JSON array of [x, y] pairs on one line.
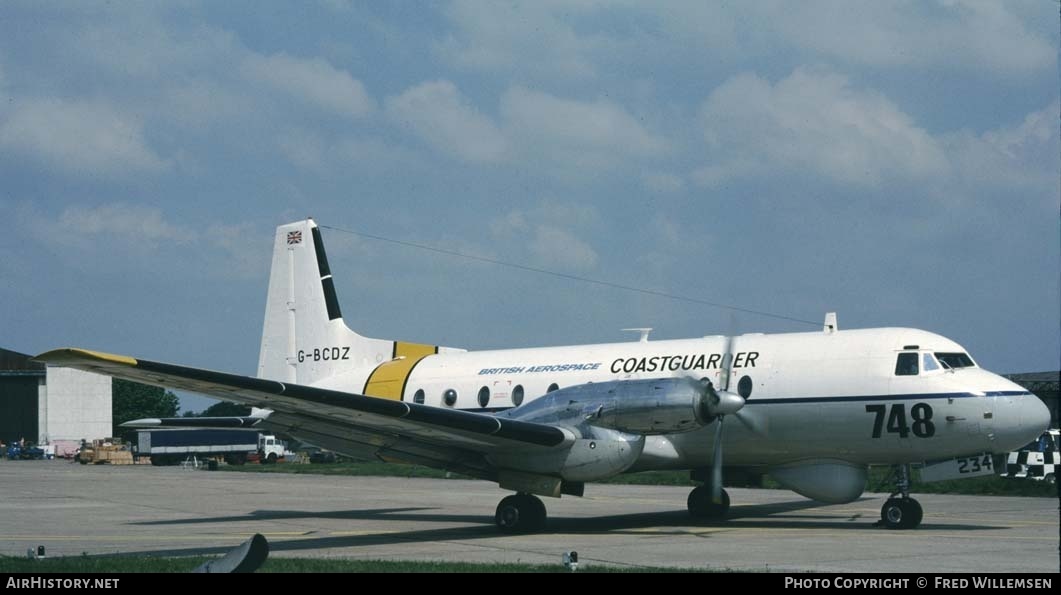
[[921, 414]]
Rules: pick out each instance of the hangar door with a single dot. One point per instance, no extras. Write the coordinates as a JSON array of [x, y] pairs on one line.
[[18, 408]]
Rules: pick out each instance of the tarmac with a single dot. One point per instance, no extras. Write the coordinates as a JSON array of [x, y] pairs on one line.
[[73, 509]]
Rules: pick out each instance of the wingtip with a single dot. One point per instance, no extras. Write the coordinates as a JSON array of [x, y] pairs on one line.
[[68, 355], [147, 422]]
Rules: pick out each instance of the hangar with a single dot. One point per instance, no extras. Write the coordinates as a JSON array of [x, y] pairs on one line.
[[49, 405]]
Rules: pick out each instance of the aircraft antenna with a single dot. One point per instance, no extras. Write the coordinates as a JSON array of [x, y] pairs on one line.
[[643, 330], [600, 282]]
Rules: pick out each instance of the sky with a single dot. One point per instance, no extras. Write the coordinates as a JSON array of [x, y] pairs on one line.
[[896, 162]]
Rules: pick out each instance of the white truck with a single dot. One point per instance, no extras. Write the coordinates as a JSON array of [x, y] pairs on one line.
[[235, 447]]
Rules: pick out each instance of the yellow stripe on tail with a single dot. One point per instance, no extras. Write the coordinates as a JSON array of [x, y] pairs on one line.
[[388, 380]]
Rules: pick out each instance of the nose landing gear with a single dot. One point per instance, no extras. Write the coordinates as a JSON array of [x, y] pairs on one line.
[[901, 511]]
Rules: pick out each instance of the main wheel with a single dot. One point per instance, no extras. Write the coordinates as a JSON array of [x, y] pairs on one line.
[[520, 513], [701, 506], [901, 513]]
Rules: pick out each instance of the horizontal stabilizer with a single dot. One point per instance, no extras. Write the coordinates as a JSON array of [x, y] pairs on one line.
[[194, 422]]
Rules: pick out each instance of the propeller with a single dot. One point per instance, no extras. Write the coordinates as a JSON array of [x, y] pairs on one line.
[[721, 403]]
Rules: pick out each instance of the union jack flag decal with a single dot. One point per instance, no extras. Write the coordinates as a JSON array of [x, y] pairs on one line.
[[294, 237]]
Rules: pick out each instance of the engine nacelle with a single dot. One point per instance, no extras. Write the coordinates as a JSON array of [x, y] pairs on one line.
[[643, 407], [605, 453], [648, 407]]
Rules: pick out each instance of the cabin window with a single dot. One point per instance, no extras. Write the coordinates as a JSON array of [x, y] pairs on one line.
[[928, 363], [484, 397], [955, 360], [418, 397], [906, 365], [552, 387], [517, 395], [449, 398]]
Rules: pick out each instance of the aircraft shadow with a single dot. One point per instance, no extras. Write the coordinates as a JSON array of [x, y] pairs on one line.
[[279, 515], [677, 522]]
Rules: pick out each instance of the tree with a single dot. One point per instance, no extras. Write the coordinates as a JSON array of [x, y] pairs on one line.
[[226, 409], [132, 400]]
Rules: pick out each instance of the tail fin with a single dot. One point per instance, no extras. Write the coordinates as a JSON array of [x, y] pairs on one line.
[[304, 339]]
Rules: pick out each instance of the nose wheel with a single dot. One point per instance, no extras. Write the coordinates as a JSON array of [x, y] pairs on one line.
[[520, 513], [901, 511]]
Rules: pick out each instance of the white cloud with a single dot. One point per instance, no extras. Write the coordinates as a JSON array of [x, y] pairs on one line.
[[313, 81], [664, 246], [534, 37], [133, 235], [549, 232], [575, 134], [203, 104], [119, 220], [728, 168], [305, 149], [241, 246], [1030, 138], [971, 35], [563, 134], [79, 137], [441, 116], [579, 41], [1021, 157], [813, 121], [558, 247], [662, 182]]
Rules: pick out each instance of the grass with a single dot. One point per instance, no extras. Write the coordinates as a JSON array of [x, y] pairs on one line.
[[878, 478], [975, 486], [134, 564]]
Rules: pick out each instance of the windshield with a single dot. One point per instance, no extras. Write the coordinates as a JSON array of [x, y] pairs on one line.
[[955, 360]]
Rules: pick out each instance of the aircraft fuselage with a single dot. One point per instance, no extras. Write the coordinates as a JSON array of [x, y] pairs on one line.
[[836, 395]]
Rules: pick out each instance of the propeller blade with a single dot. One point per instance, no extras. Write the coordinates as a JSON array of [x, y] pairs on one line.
[[716, 465], [752, 420], [727, 364]]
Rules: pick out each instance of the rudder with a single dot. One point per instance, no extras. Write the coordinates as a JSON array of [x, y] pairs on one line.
[[304, 338]]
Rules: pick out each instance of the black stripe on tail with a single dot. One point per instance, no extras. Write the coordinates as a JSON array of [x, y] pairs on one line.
[[330, 299]]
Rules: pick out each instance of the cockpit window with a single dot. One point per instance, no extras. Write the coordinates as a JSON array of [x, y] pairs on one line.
[[906, 365], [955, 360], [928, 363]]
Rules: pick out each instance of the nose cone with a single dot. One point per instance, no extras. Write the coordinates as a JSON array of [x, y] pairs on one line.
[[1034, 415], [1019, 420]]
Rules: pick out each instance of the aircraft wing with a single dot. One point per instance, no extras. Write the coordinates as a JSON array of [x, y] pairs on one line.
[[358, 425]]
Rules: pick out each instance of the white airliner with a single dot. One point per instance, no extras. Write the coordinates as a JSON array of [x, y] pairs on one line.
[[813, 410]]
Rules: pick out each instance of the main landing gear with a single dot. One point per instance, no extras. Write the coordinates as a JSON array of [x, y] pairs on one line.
[[520, 513], [901, 511], [702, 506]]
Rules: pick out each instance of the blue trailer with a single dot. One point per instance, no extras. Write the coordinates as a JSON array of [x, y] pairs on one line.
[[170, 447]]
